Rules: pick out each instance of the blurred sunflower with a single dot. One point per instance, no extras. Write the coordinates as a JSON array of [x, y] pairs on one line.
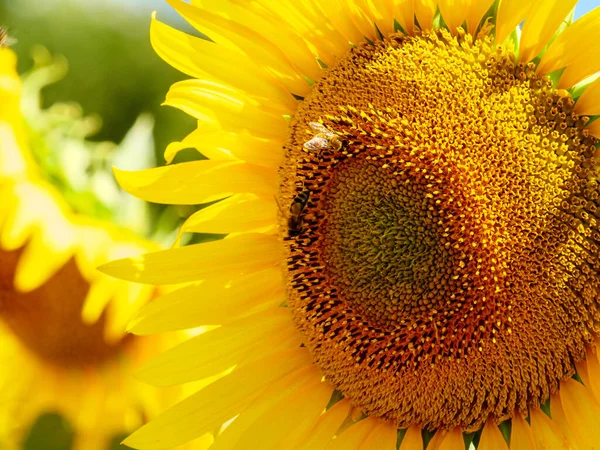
[[432, 278], [62, 323]]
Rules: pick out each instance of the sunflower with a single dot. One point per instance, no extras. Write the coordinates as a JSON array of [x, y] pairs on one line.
[[63, 347], [410, 195]]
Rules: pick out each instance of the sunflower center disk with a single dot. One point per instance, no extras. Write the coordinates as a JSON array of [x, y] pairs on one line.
[[446, 264]]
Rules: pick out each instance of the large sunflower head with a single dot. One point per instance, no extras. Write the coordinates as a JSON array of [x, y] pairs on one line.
[[63, 347], [410, 192]]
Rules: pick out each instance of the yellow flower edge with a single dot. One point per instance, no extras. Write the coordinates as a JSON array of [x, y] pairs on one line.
[[63, 346], [277, 395]]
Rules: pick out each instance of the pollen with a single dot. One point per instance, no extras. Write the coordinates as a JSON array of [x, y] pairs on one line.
[[445, 269]]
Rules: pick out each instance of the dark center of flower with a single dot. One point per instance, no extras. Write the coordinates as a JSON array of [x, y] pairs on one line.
[[444, 268], [48, 320]]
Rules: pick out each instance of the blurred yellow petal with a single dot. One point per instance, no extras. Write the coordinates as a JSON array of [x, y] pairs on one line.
[[326, 427], [491, 438], [383, 437], [353, 437], [413, 440], [546, 433], [227, 32], [521, 435], [214, 351], [542, 21], [238, 213], [225, 65], [216, 403], [45, 253], [230, 108], [197, 181], [215, 301], [588, 103], [236, 256]]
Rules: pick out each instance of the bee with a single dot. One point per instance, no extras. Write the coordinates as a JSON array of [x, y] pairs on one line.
[[294, 220], [323, 139], [5, 39]]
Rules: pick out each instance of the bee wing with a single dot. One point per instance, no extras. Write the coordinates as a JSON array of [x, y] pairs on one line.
[[316, 144], [319, 128]]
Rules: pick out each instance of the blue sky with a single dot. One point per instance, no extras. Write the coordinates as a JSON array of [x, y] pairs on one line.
[[584, 6]]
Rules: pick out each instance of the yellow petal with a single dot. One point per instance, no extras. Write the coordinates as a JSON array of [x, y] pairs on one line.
[[235, 35], [383, 437], [413, 440], [292, 416], [353, 437], [230, 108], [491, 438], [581, 413], [358, 12], [202, 59], [215, 143], [404, 13], [510, 14], [454, 12], [265, 23], [558, 417], [308, 20], [215, 301], [546, 433], [327, 426], [337, 13], [198, 181], [236, 256], [541, 23], [216, 403], [238, 213], [215, 351], [594, 128], [577, 49], [591, 369], [382, 13], [521, 435], [452, 440], [588, 103], [232, 436], [425, 12], [475, 13]]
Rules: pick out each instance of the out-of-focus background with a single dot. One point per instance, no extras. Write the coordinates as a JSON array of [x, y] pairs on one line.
[[115, 76], [113, 72]]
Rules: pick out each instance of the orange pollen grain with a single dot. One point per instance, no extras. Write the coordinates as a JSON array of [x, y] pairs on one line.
[[445, 269]]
